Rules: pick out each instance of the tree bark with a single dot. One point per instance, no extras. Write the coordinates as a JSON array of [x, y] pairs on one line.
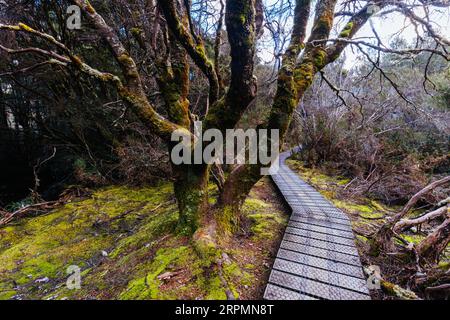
[[431, 248], [191, 191], [235, 191], [408, 223]]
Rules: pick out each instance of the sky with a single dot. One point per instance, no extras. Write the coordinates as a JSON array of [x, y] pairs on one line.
[[387, 26]]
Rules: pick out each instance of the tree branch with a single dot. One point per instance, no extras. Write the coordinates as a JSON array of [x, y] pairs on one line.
[[195, 50]]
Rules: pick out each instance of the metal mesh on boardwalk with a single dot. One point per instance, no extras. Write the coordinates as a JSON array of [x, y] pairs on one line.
[[317, 258]]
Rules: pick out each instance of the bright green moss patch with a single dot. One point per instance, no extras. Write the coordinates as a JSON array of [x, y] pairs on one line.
[[265, 221], [330, 186], [315, 176], [126, 244], [36, 252], [166, 260], [347, 30], [7, 294], [413, 238], [263, 224]]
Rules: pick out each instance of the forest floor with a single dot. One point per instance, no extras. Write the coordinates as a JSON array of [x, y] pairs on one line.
[[124, 241], [366, 216]]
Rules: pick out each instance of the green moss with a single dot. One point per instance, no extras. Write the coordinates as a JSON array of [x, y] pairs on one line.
[[249, 266], [77, 233], [413, 238], [351, 207], [135, 227], [147, 287], [347, 30], [160, 223], [361, 238], [136, 31], [304, 75], [227, 220], [342, 181], [264, 218], [320, 58], [7, 294], [372, 215], [215, 289], [25, 27], [234, 273], [252, 204]]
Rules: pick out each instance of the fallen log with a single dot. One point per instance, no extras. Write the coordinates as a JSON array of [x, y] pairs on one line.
[[443, 290], [7, 217], [411, 203], [382, 240], [408, 223], [432, 246], [395, 290], [392, 289]]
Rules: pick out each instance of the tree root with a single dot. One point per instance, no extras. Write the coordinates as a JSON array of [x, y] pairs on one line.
[[205, 244], [395, 290], [392, 289]]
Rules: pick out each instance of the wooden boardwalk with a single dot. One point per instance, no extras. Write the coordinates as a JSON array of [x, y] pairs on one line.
[[317, 258]]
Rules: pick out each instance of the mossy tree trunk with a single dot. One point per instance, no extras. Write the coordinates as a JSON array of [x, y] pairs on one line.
[[191, 191], [178, 39], [294, 78], [190, 181]]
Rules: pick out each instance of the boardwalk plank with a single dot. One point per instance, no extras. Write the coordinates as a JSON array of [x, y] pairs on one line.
[[317, 258], [321, 253], [314, 288], [321, 275]]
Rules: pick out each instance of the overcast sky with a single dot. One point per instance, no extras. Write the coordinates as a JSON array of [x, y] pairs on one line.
[[388, 27]]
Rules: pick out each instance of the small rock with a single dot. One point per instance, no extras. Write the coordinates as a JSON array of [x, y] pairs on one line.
[[166, 276], [42, 280]]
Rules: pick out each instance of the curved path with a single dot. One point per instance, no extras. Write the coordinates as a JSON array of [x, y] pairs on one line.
[[317, 258]]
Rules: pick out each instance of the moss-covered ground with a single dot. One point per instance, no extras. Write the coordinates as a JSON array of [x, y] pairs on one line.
[[124, 242]]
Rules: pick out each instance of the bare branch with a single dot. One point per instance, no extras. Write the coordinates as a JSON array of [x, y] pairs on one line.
[[408, 223], [196, 51]]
